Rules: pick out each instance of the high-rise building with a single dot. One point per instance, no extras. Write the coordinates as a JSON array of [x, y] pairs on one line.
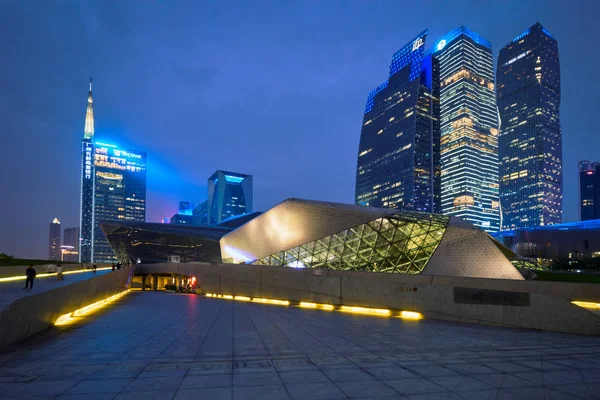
[[200, 214], [229, 194], [113, 188], [54, 240], [70, 247], [184, 214], [530, 141], [469, 128], [398, 156], [589, 190]]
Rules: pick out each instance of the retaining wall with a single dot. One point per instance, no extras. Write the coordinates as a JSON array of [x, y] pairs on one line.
[[525, 304], [19, 270], [33, 314]]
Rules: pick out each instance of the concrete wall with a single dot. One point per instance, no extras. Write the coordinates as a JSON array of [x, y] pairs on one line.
[[19, 270], [30, 315], [548, 303]]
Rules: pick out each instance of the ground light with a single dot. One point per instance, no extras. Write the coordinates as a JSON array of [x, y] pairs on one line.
[[586, 304], [45, 275], [75, 316], [381, 312]]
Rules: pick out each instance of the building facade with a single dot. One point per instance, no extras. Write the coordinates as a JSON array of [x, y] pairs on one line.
[[398, 156], [54, 240], [229, 194], [469, 128], [113, 189], [589, 190], [530, 140], [184, 215], [200, 214], [70, 247]]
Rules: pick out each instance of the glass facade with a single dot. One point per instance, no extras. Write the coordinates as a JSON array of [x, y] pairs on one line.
[[530, 141], [469, 128], [119, 192], [589, 190], [229, 194], [398, 155], [401, 243]]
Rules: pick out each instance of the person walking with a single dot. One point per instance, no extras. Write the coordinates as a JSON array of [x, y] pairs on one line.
[[113, 266], [94, 269], [59, 273], [30, 276]]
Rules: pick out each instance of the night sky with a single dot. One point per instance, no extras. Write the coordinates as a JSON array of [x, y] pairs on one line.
[[273, 89]]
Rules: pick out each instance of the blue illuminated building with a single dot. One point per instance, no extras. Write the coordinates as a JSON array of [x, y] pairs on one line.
[[530, 140], [589, 190], [184, 215], [468, 128], [563, 246], [398, 155], [229, 194], [113, 189]]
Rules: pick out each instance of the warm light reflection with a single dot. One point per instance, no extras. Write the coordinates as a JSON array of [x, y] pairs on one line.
[[242, 298], [45, 275], [586, 304], [410, 315], [75, 316], [365, 310], [316, 305]]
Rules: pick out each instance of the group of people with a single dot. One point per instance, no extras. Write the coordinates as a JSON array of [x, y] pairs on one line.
[[116, 266]]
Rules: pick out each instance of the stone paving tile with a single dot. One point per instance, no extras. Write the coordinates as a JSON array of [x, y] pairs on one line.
[[267, 392], [153, 395], [185, 346]]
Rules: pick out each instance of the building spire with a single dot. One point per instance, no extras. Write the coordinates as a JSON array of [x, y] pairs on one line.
[[88, 132]]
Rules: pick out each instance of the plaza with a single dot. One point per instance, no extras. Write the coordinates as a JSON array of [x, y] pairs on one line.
[[157, 345]]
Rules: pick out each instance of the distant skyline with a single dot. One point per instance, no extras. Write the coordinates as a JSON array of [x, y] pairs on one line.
[[274, 90]]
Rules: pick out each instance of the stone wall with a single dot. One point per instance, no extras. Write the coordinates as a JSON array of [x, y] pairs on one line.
[[19, 270], [525, 304], [33, 314]]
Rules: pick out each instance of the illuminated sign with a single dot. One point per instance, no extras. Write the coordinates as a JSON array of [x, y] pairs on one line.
[[441, 45], [123, 153], [88, 161], [417, 43]]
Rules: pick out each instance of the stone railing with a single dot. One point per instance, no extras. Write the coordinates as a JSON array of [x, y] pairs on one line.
[[33, 314]]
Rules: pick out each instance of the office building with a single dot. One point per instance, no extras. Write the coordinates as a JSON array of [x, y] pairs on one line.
[[469, 128], [398, 156], [229, 194], [54, 240], [68, 254], [71, 237], [113, 189], [200, 214], [184, 214], [589, 190], [530, 140]]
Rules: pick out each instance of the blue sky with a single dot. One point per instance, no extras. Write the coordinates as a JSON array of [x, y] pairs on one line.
[[274, 89]]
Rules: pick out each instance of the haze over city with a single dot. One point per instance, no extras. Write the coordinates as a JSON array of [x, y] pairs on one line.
[[270, 89]]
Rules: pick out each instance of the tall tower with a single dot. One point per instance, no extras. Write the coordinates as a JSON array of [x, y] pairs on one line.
[[530, 141], [229, 194], [86, 215], [469, 128], [54, 241], [398, 155]]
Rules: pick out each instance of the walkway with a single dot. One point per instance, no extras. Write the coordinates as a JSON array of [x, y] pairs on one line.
[[163, 346], [13, 290]]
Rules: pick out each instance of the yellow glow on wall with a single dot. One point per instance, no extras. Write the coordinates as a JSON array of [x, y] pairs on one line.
[[365, 310], [242, 298], [75, 316], [410, 315], [317, 305], [45, 275], [586, 304]]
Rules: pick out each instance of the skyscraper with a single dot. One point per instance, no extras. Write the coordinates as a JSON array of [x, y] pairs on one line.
[[71, 240], [589, 190], [113, 188], [469, 128], [229, 194], [398, 155], [184, 214], [54, 241], [530, 141]]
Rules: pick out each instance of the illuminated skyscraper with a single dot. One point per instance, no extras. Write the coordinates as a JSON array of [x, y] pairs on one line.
[[113, 189], [530, 141], [469, 128], [398, 155], [589, 190], [54, 241], [229, 194], [70, 247]]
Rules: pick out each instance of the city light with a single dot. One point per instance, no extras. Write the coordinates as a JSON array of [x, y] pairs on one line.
[[365, 310], [45, 275], [586, 304], [76, 315]]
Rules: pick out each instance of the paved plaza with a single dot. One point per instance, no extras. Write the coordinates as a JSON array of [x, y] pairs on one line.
[[156, 345]]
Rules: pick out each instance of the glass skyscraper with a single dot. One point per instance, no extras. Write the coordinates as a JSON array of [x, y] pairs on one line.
[[229, 194], [398, 155], [530, 141], [589, 190], [54, 240], [113, 188], [469, 128]]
